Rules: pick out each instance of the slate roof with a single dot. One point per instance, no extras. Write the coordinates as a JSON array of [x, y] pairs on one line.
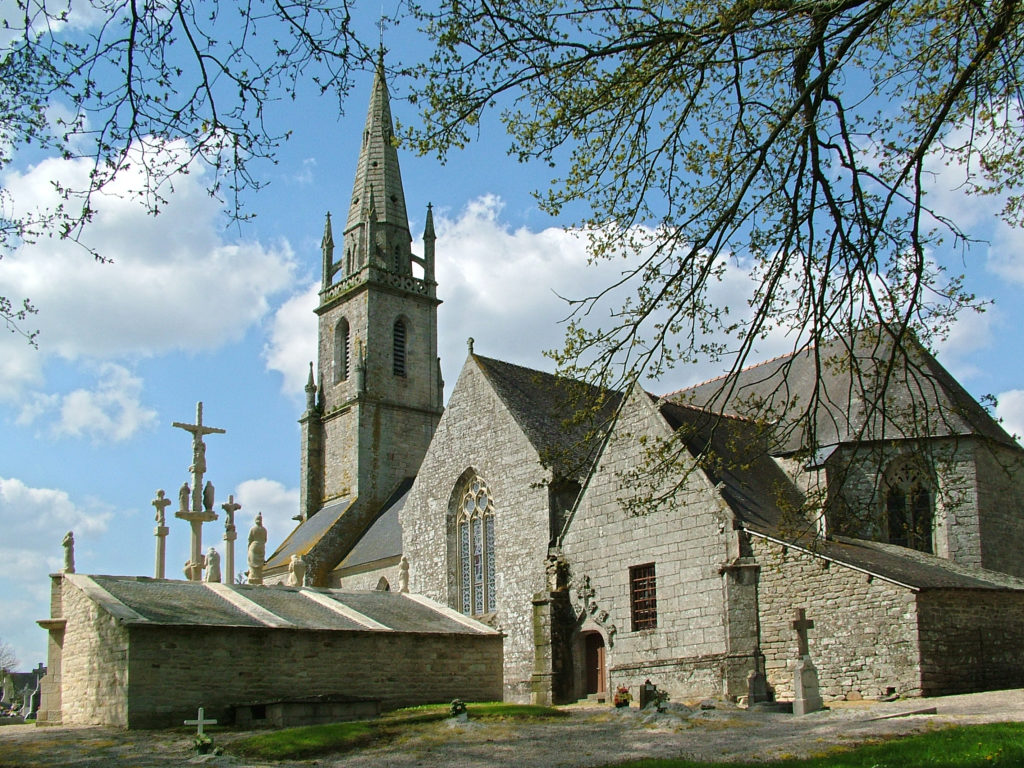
[[543, 405], [383, 539], [920, 399], [307, 533], [753, 485], [141, 601], [763, 498], [909, 567]]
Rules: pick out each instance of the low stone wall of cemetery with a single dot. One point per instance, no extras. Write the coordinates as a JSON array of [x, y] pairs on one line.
[[173, 671], [971, 640], [864, 640]]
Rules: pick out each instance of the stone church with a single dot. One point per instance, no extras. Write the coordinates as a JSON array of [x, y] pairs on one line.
[[895, 523]]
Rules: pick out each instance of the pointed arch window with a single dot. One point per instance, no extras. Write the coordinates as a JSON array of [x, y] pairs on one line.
[[909, 506], [342, 345], [475, 525], [398, 338]]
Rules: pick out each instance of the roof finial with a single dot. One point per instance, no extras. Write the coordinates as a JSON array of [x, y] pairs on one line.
[[469, 343]]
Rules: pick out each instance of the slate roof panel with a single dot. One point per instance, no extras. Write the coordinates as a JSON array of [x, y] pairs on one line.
[[543, 404], [919, 570], [305, 536], [293, 607], [753, 485], [402, 613], [383, 539], [175, 602], [921, 397], [181, 603]]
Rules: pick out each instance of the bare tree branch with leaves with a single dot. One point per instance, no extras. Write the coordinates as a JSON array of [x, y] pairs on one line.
[[116, 81], [795, 137]]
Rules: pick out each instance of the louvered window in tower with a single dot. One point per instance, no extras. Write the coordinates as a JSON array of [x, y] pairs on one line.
[[341, 350], [398, 348]]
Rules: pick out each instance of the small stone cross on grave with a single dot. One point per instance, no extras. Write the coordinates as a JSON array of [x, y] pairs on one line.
[[200, 721], [801, 624], [806, 693]]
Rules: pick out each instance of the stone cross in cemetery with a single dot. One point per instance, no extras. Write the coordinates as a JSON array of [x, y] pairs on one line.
[[202, 499], [801, 624], [806, 693], [230, 535], [161, 503], [201, 721]]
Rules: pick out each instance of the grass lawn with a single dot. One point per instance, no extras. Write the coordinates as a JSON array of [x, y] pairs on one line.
[[312, 740], [975, 746]]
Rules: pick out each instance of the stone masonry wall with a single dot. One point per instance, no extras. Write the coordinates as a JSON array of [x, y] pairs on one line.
[[95, 669], [858, 477], [1000, 473], [687, 539], [175, 670], [477, 432], [971, 640], [864, 639]]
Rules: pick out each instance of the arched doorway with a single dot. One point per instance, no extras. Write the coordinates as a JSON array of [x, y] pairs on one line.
[[595, 672]]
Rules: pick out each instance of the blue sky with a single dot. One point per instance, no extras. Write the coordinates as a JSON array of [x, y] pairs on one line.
[[191, 309]]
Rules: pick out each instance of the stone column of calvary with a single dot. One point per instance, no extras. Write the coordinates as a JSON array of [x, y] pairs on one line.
[[202, 498]]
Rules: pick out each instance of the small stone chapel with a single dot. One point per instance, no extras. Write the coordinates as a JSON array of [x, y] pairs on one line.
[[887, 560]]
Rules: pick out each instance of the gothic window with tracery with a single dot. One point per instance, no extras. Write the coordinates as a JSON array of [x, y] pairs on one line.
[[398, 348], [475, 525], [908, 506], [341, 350]]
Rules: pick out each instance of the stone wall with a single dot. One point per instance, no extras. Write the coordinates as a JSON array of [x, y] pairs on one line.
[[94, 666], [477, 433], [970, 640], [688, 539], [864, 640], [175, 670], [1000, 472], [963, 493], [368, 577]]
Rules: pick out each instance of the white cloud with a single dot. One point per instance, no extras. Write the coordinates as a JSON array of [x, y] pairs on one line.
[[502, 286], [958, 351], [173, 284], [1011, 411], [278, 505], [111, 411], [293, 339], [34, 521]]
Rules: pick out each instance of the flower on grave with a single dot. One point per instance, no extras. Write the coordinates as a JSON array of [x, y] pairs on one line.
[[622, 697], [458, 707], [203, 744], [659, 699]]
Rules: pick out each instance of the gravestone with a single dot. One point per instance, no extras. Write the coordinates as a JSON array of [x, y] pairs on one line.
[[806, 692]]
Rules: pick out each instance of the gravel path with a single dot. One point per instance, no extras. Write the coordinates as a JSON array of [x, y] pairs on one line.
[[592, 736]]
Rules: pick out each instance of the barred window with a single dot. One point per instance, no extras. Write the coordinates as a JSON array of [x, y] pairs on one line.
[[475, 525], [398, 348], [643, 597]]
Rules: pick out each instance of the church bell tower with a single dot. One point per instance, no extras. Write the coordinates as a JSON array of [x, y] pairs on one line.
[[376, 401]]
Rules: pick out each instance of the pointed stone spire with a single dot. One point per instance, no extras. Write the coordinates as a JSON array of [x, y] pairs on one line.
[[378, 161], [378, 184], [428, 246], [310, 390], [327, 248]]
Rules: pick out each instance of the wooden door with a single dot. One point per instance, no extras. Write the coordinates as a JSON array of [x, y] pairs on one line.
[[595, 663]]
